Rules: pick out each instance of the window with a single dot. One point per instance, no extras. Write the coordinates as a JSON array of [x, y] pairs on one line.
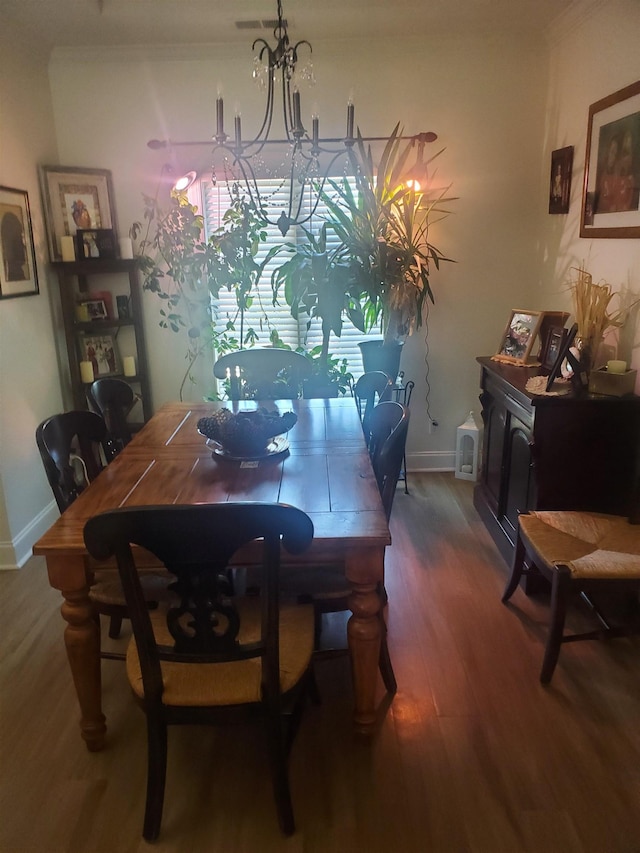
[[263, 315]]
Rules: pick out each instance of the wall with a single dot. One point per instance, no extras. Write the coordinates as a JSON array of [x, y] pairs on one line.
[[29, 378]]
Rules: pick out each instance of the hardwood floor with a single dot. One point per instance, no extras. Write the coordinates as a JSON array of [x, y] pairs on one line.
[[472, 756]]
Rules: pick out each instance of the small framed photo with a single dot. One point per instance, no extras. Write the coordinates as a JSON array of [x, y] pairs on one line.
[[18, 273], [95, 243], [96, 309], [611, 192], [75, 198], [560, 181], [123, 307], [555, 339], [102, 352], [518, 337]]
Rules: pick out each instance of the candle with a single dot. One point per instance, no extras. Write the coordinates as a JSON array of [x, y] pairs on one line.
[[68, 249], [296, 110], [315, 130], [220, 116], [129, 365], [238, 126], [616, 366], [86, 372], [126, 248], [82, 312], [350, 112]]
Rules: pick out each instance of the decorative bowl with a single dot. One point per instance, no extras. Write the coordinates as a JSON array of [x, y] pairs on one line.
[[245, 434]]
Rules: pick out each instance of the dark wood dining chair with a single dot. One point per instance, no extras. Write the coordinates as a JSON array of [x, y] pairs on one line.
[[326, 586], [208, 657], [75, 447], [370, 389], [580, 552], [114, 399], [263, 373]]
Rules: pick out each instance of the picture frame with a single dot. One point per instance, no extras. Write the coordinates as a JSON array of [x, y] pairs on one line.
[[611, 190], [555, 339], [18, 270], [95, 243], [560, 179], [75, 198], [518, 337], [549, 320], [102, 352], [96, 309], [562, 355]]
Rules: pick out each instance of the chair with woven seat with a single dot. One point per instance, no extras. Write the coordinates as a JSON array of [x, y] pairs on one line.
[[578, 552], [370, 389], [75, 447], [263, 373], [209, 657], [326, 586], [114, 399]]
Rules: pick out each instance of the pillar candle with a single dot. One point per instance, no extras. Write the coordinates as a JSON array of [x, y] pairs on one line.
[[126, 248], [86, 372], [67, 248], [129, 366], [616, 366]]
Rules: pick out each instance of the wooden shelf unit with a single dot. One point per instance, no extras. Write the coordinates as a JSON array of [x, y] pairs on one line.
[[73, 282]]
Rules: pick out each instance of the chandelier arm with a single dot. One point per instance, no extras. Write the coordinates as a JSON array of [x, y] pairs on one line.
[[175, 143]]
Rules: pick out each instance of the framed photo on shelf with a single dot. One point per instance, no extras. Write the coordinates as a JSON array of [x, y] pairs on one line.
[[518, 337], [611, 192], [96, 309], [560, 179], [18, 273], [555, 339], [74, 199], [95, 243], [102, 352]]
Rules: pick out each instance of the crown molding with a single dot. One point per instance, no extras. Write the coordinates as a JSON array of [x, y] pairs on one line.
[[571, 18]]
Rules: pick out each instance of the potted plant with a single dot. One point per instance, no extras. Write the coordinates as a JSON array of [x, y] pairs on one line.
[[383, 228]]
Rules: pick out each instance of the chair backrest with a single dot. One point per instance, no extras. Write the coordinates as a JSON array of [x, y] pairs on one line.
[[389, 425], [370, 389], [114, 399], [263, 373], [81, 434], [196, 544]]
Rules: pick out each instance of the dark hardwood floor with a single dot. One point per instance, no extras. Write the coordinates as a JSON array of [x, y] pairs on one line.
[[472, 755]]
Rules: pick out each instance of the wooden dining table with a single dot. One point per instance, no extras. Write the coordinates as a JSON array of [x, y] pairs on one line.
[[325, 471]]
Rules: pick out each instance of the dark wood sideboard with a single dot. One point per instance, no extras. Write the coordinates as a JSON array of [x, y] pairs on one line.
[[551, 452]]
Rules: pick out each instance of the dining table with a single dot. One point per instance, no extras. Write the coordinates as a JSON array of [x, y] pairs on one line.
[[321, 465]]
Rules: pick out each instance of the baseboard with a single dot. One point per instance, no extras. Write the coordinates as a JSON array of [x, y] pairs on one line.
[[15, 553]]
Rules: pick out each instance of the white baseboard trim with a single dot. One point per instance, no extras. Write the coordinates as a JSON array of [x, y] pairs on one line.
[[14, 554], [438, 460]]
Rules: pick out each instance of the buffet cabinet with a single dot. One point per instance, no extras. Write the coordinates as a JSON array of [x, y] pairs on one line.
[[572, 451], [101, 309]]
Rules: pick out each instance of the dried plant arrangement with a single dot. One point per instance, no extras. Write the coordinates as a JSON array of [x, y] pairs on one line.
[[592, 312]]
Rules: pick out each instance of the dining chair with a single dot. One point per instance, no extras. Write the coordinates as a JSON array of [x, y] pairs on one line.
[[579, 552], [325, 586], [114, 399], [207, 657], [75, 447], [263, 373], [370, 389]]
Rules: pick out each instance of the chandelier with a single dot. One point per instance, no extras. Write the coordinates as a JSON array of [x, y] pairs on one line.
[[309, 159]]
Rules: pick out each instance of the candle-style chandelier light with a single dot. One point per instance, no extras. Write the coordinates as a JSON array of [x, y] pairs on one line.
[[309, 159]]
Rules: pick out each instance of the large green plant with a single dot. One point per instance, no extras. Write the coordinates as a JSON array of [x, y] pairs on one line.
[[383, 228]]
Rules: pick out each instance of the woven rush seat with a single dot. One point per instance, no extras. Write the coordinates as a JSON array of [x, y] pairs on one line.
[[107, 588], [581, 552]]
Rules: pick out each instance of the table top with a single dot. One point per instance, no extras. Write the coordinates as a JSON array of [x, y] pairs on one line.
[[326, 472]]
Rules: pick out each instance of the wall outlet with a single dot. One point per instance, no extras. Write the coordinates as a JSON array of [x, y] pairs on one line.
[[433, 425]]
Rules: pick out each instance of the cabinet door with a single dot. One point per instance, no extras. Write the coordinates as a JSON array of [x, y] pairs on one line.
[[495, 425], [519, 494]]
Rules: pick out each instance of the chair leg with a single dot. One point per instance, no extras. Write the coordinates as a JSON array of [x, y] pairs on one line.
[[404, 471], [517, 568], [156, 775], [559, 597], [279, 773], [115, 626]]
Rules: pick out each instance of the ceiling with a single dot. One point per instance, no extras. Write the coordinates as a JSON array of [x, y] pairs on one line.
[[87, 23]]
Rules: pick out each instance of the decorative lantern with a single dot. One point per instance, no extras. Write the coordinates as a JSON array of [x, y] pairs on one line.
[[468, 449]]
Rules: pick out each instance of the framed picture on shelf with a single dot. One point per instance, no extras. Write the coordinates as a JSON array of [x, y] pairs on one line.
[[18, 273], [96, 309], [74, 199], [611, 192], [555, 339], [560, 180], [102, 352], [95, 243], [518, 337]]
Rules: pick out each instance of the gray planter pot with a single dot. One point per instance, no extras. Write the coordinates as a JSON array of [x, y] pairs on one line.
[[376, 355]]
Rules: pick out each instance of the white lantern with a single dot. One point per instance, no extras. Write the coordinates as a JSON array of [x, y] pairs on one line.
[[468, 437]]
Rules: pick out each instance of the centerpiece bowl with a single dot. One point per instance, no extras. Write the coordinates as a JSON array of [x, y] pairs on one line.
[[246, 434]]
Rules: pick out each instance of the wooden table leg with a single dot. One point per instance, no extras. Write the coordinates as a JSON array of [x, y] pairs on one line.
[[363, 630], [82, 640]]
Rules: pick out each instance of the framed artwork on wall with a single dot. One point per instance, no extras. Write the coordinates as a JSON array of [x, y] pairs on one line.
[[611, 192], [75, 199], [18, 273], [518, 337], [560, 179]]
